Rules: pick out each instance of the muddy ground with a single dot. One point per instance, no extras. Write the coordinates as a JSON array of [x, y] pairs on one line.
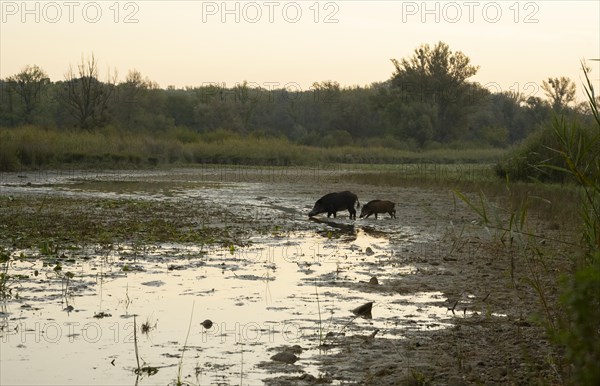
[[497, 335], [495, 332]]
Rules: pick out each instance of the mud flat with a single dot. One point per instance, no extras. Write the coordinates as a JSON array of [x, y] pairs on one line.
[[218, 276]]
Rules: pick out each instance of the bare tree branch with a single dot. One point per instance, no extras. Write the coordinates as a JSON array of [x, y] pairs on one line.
[[85, 96]]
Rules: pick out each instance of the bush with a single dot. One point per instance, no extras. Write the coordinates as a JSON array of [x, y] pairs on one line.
[[579, 330], [580, 333], [538, 158]]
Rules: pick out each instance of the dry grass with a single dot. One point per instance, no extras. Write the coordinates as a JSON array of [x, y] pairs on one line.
[[32, 147]]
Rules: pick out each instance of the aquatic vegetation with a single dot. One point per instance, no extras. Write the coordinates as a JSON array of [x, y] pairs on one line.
[[6, 280], [114, 247]]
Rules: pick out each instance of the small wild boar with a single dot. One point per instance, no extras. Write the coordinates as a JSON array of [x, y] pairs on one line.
[[378, 206], [333, 202]]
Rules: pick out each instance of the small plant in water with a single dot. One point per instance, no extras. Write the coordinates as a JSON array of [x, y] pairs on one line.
[[140, 370], [321, 338], [179, 381], [418, 378], [48, 248], [6, 279], [147, 326]]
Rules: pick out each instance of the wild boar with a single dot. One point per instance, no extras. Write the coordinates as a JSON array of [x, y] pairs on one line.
[[378, 206], [333, 202]]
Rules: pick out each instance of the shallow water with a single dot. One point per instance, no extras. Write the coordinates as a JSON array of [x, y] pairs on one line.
[[287, 288]]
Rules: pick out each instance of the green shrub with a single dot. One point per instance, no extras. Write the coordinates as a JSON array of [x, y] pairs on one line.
[[579, 330]]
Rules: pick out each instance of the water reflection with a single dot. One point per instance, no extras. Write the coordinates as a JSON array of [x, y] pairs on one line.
[[259, 297], [285, 289]]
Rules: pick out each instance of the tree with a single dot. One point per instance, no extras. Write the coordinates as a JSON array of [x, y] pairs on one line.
[[437, 77], [130, 98], [248, 99], [86, 97], [28, 85], [560, 92], [179, 106], [437, 66]]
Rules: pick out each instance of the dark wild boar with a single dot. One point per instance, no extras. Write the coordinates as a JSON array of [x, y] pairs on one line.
[[333, 202], [378, 206]]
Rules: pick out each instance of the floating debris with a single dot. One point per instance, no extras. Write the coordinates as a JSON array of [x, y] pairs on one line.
[[101, 315], [148, 370], [364, 311], [295, 349], [371, 336], [285, 357], [154, 283]]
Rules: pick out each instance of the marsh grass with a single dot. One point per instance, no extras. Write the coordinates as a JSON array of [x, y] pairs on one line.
[[32, 147], [68, 222], [6, 279], [421, 173], [145, 369], [148, 325], [180, 366], [578, 326], [135, 340], [325, 332], [321, 337], [553, 203], [570, 315]]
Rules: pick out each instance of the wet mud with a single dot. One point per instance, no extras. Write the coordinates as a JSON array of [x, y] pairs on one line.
[[219, 277]]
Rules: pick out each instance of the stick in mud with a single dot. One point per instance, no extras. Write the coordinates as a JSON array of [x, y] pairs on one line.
[[456, 302], [137, 357]]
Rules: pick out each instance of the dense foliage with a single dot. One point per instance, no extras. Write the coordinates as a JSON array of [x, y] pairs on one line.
[[579, 328], [427, 103]]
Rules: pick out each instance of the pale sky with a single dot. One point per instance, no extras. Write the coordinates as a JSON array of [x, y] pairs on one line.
[[279, 43]]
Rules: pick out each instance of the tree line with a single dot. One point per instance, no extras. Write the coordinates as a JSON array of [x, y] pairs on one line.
[[427, 102]]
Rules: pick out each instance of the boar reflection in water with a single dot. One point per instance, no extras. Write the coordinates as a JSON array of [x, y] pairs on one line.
[[333, 202], [378, 206]]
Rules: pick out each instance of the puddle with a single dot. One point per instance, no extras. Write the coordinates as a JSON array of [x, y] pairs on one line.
[[258, 298], [285, 289]]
